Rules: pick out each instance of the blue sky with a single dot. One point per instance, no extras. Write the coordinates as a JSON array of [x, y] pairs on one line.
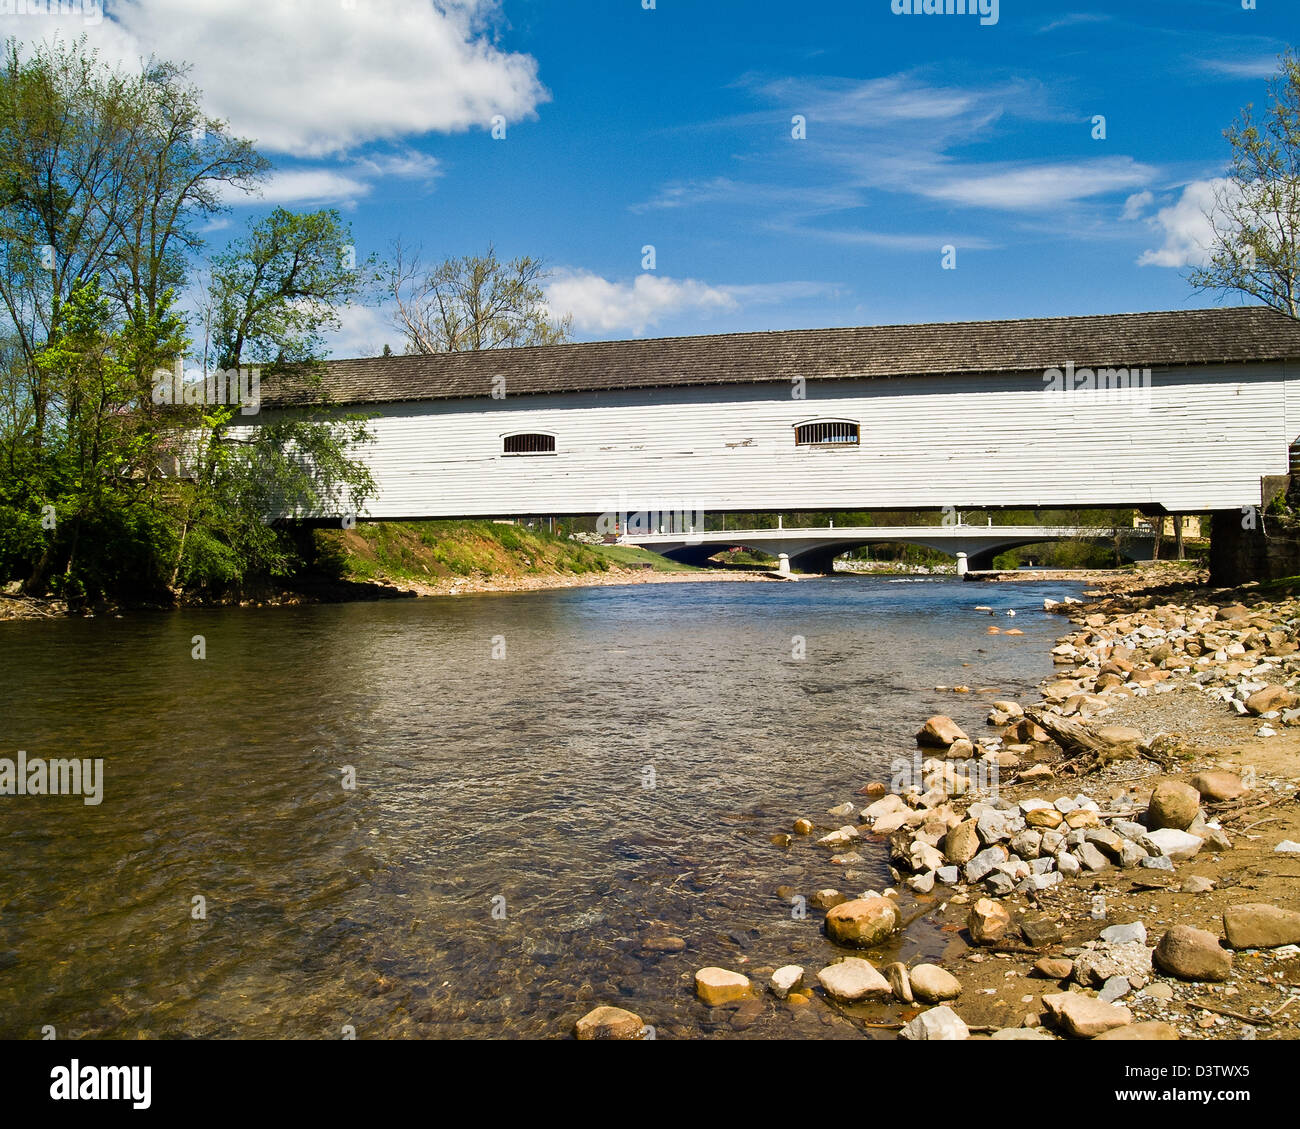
[[672, 127]]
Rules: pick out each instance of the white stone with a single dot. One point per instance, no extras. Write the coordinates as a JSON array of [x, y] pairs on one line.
[[853, 979], [939, 1023], [1170, 843], [785, 980]]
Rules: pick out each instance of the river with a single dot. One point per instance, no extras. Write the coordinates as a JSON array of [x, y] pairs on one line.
[[542, 781]]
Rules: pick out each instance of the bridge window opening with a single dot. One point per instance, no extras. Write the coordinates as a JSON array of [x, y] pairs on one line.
[[529, 444], [827, 433]]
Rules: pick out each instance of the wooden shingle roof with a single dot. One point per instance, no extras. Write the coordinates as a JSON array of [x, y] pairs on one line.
[[1145, 340]]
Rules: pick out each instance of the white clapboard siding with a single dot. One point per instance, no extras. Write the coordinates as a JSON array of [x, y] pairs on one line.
[[1201, 440]]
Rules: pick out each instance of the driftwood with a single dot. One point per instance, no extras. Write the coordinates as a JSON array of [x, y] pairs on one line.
[[1085, 749], [1248, 805]]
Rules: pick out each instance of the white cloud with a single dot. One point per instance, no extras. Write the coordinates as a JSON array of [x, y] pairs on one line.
[[1188, 233], [319, 77], [1136, 204], [343, 185], [301, 186], [1262, 67], [598, 305], [1036, 186]]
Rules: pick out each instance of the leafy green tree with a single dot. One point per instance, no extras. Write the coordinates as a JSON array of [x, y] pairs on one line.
[[1255, 216]]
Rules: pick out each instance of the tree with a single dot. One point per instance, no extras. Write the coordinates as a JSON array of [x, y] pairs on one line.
[[1255, 216], [476, 302], [271, 297], [105, 179], [103, 175]]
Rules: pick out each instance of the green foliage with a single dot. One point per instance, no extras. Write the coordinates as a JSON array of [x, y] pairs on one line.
[[105, 179], [1255, 217]]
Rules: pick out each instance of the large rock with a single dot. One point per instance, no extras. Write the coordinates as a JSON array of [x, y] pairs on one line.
[[1053, 968], [1093, 967], [1152, 1031], [1084, 1016], [718, 986], [962, 843], [933, 985], [853, 979], [939, 1023], [886, 805], [863, 922], [1171, 843], [1173, 804], [1269, 699], [609, 1023], [985, 862], [939, 732], [988, 922], [1192, 954], [1217, 787], [1257, 925]]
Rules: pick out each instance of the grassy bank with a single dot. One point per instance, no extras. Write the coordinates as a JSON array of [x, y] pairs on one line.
[[428, 552]]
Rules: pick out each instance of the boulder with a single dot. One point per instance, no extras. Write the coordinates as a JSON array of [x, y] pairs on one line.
[[785, 980], [1216, 787], [852, 979], [609, 1023], [988, 922], [939, 1023], [1173, 804], [1133, 933], [962, 843], [1192, 954], [1257, 925], [863, 922], [884, 806], [1085, 1017], [718, 986], [1269, 699], [1053, 968], [1171, 843], [932, 984], [939, 732], [984, 862], [1091, 857]]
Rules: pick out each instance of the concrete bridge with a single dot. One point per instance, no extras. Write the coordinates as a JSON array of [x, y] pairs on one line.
[[814, 550]]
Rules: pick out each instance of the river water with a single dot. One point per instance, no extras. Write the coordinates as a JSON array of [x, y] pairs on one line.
[[542, 782]]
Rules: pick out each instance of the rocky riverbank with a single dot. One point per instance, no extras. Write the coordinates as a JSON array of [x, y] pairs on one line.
[[1118, 859]]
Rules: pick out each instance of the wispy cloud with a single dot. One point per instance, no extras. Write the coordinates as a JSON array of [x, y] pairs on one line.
[[1035, 186], [1074, 19], [601, 305], [1257, 67]]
